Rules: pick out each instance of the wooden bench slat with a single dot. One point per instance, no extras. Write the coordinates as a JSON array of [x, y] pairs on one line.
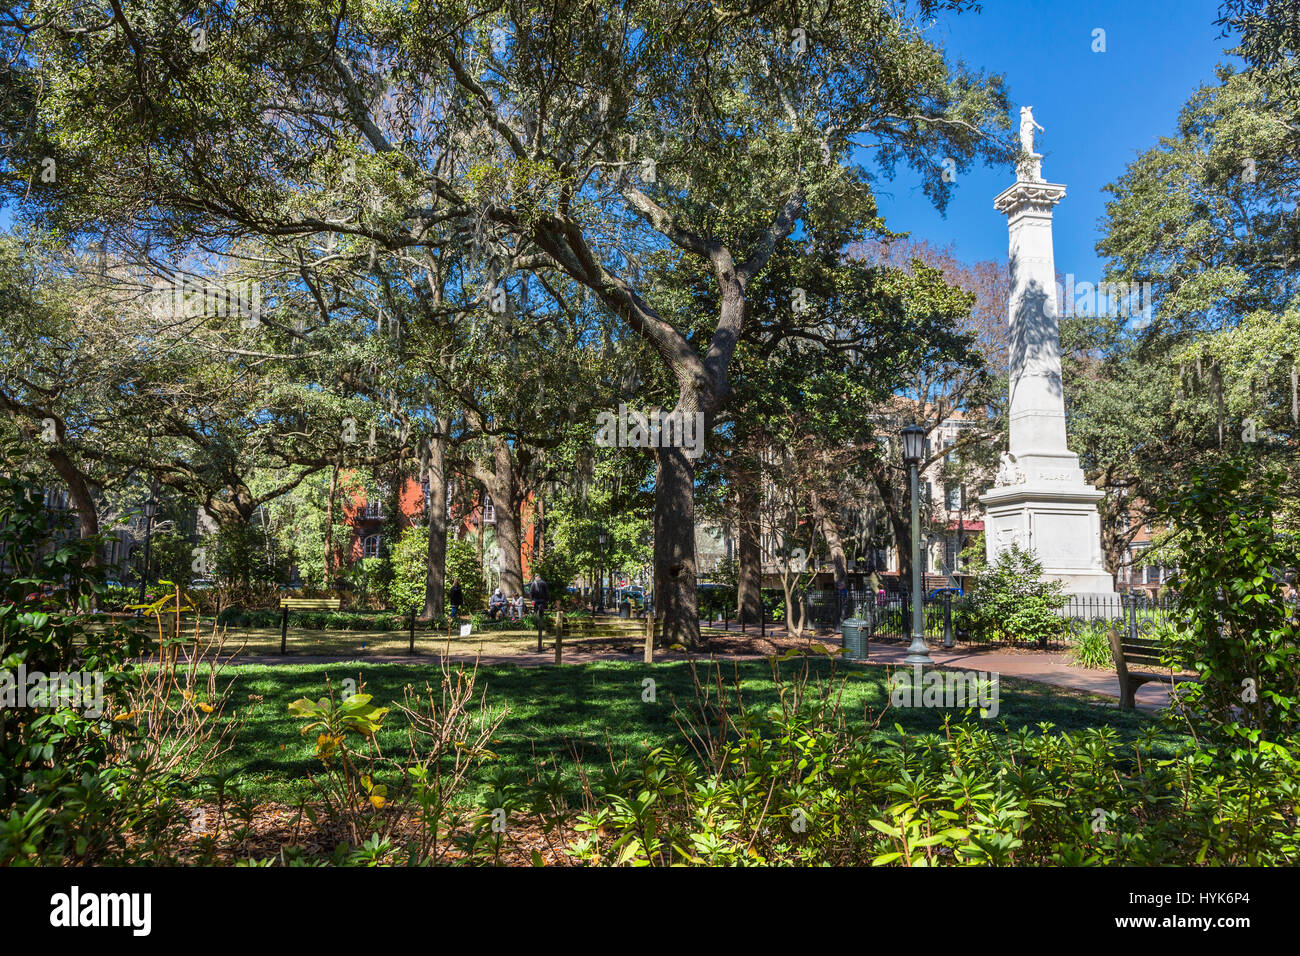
[[1143, 661], [321, 604]]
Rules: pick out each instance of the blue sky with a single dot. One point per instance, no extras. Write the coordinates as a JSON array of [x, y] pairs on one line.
[[1099, 110]]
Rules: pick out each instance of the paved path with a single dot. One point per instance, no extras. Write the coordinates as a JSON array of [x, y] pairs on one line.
[[1043, 666]]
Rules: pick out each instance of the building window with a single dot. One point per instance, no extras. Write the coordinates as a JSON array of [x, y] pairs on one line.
[[489, 510], [953, 495], [370, 547], [375, 509]]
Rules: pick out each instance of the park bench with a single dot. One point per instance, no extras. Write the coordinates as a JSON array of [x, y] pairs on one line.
[[589, 630], [302, 604], [1141, 652]]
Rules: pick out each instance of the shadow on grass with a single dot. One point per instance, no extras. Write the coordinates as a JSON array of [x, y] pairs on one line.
[[588, 712]]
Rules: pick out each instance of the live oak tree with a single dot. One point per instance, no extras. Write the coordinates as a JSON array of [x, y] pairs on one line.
[[1207, 218], [571, 139]]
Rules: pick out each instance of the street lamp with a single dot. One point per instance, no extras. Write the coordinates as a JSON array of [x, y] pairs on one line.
[[150, 509], [600, 584], [913, 452]]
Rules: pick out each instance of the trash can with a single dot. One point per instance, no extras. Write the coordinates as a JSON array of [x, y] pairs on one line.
[[855, 632], [625, 609]]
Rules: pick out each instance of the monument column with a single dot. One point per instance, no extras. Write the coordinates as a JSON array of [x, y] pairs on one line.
[[1040, 499]]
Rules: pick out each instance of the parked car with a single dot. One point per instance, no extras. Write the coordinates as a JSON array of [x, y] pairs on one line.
[[940, 592]]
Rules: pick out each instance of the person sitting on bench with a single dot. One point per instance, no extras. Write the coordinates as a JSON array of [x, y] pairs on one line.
[[497, 606]]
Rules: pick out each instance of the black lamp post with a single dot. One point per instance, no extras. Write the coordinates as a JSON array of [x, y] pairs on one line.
[[150, 509], [918, 652], [600, 583]]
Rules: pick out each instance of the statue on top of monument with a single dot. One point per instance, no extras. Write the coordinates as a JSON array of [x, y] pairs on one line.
[[1033, 167]]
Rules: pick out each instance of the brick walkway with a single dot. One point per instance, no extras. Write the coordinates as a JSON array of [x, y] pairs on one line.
[[1043, 666]]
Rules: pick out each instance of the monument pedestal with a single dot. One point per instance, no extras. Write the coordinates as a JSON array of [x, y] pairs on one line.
[[1041, 500], [1046, 505]]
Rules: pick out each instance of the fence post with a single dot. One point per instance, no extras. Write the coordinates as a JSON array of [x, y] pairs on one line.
[[559, 635], [541, 625], [284, 628], [649, 639], [412, 650], [947, 620], [1132, 619]]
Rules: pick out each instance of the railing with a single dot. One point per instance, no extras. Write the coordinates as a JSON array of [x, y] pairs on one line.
[[947, 617]]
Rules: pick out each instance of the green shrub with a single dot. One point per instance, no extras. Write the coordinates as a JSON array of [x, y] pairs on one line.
[[1010, 600], [1234, 628], [315, 620], [410, 561], [463, 565], [65, 792], [1090, 645], [800, 784], [115, 597], [558, 569]]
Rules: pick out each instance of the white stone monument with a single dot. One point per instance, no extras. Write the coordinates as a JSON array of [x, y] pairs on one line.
[[1040, 498]]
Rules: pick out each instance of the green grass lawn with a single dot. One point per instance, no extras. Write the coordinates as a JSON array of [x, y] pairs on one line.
[[559, 714]]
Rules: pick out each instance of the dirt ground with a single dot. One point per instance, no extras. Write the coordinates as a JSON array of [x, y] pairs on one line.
[[238, 836]]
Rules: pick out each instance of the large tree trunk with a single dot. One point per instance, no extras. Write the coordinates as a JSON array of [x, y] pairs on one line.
[[328, 565], [79, 492], [900, 518], [749, 579], [502, 484], [436, 574], [676, 601], [834, 544], [902, 525]]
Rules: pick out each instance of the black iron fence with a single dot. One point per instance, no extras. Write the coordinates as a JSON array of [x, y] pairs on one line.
[[951, 619]]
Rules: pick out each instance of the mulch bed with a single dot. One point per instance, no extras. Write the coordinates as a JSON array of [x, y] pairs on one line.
[[213, 841]]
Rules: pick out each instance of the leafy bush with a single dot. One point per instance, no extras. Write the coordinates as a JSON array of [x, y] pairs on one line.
[[1011, 601], [1090, 645], [801, 784], [463, 564], [1235, 628], [115, 597], [91, 776], [717, 602], [316, 620], [376, 796], [240, 557], [558, 568], [410, 561]]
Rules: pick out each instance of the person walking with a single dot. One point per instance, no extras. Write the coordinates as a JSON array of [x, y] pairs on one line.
[[455, 597], [540, 594]]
